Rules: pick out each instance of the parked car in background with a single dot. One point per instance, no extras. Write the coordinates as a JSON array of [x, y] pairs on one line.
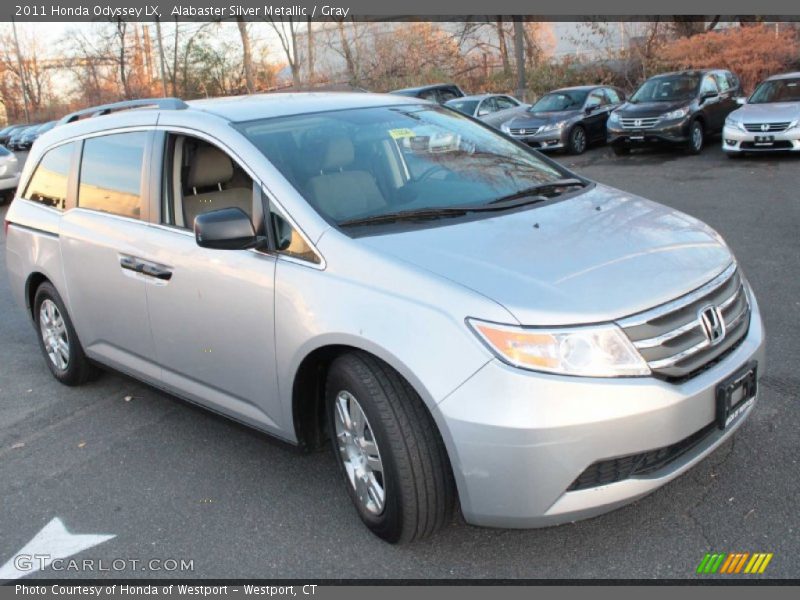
[[16, 136], [566, 119], [438, 92], [493, 109], [769, 121], [683, 108], [9, 174], [465, 322], [31, 135], [6, 133]]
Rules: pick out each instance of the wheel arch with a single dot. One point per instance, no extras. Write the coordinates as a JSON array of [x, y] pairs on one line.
[[32, 283], [308, 387]]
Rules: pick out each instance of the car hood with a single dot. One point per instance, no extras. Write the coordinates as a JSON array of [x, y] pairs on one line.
[[537, 119], [649, 109], [769, 112], [598, 256]]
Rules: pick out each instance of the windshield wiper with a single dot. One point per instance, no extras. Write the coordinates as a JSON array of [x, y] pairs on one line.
[[408, 215], [539, 190], [438, 213]]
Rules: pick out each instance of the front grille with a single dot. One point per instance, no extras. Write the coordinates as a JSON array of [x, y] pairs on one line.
[[672, 337], [642, 123], [767, 127], [625, 467], [525, 130]]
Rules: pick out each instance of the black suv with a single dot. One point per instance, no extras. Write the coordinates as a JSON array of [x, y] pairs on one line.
[[681, 108], [438, 92]]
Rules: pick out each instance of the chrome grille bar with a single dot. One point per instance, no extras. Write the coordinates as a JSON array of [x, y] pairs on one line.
[[672, 338], [669, 307]]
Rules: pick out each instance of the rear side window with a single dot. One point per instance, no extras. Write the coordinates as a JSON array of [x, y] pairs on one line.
[[111, 173], [48, 184]]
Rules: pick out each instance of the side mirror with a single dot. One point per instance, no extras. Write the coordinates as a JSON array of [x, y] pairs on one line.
[[225, 229], [590, 109], [483, 112], [708, 96], [741, 100]]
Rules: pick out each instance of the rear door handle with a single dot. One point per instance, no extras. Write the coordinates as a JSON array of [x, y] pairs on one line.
[[157, 271]]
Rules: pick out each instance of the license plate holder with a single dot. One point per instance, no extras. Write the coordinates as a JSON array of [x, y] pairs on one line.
[[736, 394], [765, 139]]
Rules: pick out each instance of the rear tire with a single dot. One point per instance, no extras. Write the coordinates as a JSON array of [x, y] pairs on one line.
[[57, 338], [393, 460], [621, 150]]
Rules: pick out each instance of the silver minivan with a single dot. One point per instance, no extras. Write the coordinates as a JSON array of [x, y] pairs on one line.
[[467, 322]]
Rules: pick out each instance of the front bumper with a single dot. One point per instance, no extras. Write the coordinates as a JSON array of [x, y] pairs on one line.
[[517, 440], [548, 140], [671, 132], [735, 140]]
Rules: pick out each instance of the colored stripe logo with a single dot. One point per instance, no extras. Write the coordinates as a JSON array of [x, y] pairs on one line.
[[734, 563]]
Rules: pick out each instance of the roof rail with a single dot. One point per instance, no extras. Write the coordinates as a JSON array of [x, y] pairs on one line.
[[105, 109]]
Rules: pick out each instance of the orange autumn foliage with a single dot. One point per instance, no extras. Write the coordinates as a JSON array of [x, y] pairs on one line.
[[753, 52]]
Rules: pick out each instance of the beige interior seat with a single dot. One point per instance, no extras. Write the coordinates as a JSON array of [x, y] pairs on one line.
[[213, 168], [342, 193]]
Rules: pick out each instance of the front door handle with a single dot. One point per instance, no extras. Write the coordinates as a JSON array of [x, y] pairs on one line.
[[130, 263]]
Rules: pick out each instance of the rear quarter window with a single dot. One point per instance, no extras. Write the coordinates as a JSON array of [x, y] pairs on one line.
[[48, 184]]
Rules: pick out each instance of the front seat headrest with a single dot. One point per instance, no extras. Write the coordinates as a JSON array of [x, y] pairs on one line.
[[210, 166], [338, 154]]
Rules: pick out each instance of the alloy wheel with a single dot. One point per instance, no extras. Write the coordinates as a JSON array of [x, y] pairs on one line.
[[359, 453], [579, 140], [697, 137], [54, 334]]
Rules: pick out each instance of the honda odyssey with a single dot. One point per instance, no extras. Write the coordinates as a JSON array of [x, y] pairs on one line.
[[465, 321]]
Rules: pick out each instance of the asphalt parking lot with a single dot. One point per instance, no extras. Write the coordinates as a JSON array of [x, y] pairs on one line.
[[171, 481]]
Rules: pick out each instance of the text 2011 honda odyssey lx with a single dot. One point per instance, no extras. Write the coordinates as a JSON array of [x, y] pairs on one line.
[[463, 318]]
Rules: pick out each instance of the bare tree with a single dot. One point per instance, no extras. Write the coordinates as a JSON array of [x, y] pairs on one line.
[[247, 57], [310, 52], [287, 35], [501, 40]]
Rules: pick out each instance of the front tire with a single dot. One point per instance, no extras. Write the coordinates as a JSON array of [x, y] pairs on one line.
[[388, 449], [57, 338], [697, 138], [577, 140]]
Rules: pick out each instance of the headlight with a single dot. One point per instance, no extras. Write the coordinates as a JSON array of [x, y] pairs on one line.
[[675, 114], [735, 123], [613, 117], [554, 126], [505, 128], [593, 351], [794, 124]]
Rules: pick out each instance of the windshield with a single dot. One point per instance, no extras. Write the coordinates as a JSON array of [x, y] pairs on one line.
[[359, 163], [464, 106], [778, 90], [556, 101], [667, 89]]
